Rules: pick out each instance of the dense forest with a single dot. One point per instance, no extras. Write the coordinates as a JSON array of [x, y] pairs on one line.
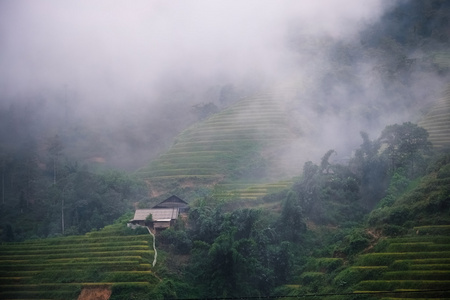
[[51, 195]]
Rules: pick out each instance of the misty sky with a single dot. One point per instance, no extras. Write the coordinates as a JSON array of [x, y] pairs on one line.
[[114, 51], [130, 60]]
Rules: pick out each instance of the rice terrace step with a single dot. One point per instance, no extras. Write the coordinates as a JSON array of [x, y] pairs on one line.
[[60, 268]]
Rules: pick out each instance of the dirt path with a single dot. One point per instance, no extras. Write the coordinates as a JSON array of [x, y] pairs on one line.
[[154, 245], [375, 237], [97, 293]]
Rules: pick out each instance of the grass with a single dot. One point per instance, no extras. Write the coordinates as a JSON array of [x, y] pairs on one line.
[[417, 247], [433, 229], [392, 285], [249, 191], [385, 259]]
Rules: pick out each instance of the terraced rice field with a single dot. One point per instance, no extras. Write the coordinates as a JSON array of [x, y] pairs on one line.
[[414, 267], [227, 145], [437, 122], [249, 191], [59, 268]]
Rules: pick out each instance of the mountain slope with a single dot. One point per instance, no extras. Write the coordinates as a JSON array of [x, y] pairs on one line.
[[401, 252], [243, 142], [437, 122]]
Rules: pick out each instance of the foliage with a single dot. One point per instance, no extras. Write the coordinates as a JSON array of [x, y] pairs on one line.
[[291, 225], [74, 202], [328, 197], [405, 146], [149, 218], [203, 110], [397, 186], [409, 206], [178, 239], [237, 253], [371, 170]]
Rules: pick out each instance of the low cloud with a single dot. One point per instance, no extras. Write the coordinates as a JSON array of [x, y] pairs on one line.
[[115, 64]]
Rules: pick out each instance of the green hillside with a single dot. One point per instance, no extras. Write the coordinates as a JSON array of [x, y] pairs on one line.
[[244, 142], [414, 266], [60, 268], [437, 121], [267, 217], [402, 250]]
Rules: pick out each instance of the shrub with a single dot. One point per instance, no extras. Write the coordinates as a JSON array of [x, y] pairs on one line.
[[312, 277], [178, 239], [393, 230], [328, 264], [130, 276], [353, 275], [131, 291]]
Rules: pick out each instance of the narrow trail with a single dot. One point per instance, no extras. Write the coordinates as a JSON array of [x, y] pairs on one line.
[[154, 246], [375, 237]]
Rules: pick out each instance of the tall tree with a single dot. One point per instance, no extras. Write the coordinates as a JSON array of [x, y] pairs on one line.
[[291, 224], [3, 162], [325, 164], [55, 149], [371, 169], [405, 144]]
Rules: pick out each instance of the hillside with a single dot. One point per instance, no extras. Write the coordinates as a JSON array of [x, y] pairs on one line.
[[112, 260], [401, 251], [437, 122], [437, 119], [285, 199], [247, 142]]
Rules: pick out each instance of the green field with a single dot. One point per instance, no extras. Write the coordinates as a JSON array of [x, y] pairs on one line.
[[413, 267], [59, 268]]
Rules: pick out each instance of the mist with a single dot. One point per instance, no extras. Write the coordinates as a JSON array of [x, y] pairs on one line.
[[127, 74]]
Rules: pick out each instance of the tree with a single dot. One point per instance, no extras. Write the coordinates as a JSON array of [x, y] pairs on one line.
[[405, 145], [55, 148], [4, 160], [291, 224], [309, 171], [149, 219], [204, 110], [324, 164], [371, 169]]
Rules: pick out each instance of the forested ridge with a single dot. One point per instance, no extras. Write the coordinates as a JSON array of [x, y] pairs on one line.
[[372, 224], [46, 194]]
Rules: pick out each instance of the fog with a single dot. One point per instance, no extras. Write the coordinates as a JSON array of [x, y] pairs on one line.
[[130, 71], [114, 51]]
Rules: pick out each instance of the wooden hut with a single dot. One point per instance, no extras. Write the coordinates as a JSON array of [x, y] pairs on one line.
[[173, 202], [163, 215]]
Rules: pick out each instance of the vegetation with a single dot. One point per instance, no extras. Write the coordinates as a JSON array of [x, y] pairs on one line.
[[225, 148], [60, 197], [115, 257], [314, 242], [375, 226]]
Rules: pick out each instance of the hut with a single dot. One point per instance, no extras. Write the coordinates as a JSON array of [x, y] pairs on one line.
[[163, 215], [173, 202]]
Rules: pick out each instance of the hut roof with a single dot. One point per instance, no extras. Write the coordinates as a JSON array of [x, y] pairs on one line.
[[160, 214], [172, 201]]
